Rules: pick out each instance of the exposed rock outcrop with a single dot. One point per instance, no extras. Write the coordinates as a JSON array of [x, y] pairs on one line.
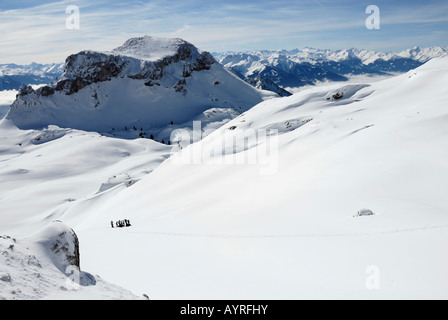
[[89, 67], [46, 265], [266, 84]]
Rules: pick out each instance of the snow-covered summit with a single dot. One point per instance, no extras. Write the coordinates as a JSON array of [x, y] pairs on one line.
[[151, 48], [138, 58], [145, 84]]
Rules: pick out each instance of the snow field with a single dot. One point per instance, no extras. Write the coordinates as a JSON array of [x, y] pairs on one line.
[[224, 231]]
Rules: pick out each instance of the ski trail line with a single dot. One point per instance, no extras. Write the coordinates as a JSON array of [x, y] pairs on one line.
[[273, 236]]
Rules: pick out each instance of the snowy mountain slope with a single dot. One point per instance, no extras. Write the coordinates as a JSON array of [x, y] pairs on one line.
[[13, 76], [44, 172], [279, 227], [391, 105], [47, 266], [147, 83], [209, 229]]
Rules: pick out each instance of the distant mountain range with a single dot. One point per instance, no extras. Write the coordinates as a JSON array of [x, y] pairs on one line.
[[268, 70], [296, 68], [12, 76]]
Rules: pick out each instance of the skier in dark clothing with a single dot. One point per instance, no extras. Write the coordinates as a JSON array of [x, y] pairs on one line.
[[121, 223]]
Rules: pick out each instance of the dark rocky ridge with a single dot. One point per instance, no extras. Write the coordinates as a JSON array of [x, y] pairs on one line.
[[267, 84], [89, 67]]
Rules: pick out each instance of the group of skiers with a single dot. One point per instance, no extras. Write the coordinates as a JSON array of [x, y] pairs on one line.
[[121, 223]]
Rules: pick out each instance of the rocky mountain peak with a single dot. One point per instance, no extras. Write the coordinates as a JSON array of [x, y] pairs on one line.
[[146, 84], [144, 58]]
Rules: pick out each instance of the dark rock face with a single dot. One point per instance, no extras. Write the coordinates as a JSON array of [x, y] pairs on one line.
[[87, 67], [67, 246], [71, 86], [152, 83], [25, 90], [203, 62], [266, 84], [93, 66], [180, 86], [46, 91], [338, 96]]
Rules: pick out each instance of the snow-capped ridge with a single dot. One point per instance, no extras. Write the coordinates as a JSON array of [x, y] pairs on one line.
[[424, 54], [139, 58]]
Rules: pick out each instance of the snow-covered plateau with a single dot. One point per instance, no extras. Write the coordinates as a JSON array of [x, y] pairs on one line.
[[335, 192]]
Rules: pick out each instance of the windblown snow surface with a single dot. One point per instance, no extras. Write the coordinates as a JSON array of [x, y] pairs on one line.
[[207, 226]]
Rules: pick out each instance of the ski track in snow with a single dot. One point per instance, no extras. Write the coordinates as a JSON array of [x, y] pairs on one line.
[[304, 235]]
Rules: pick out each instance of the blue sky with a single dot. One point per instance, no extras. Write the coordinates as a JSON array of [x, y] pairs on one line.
[[36, 30]]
